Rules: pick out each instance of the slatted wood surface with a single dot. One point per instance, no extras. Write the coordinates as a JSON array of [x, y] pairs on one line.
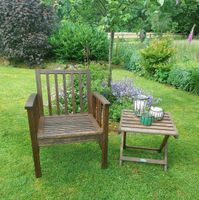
[[131, 123], [63, 81], [65, 126]]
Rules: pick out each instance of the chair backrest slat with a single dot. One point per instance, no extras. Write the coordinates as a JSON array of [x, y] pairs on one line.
[[99, 112], [64, 91], [73, 93], [80, 93], [88, 84], [57, 94], [39, 92], [65, 94], [49, 94]]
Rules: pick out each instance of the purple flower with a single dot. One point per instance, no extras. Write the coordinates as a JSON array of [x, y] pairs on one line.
[[126, 89], [190, 37]]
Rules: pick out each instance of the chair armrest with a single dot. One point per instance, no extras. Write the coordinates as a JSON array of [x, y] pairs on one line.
[[100, 110], [101, 98], [33, 111], [31, 101]]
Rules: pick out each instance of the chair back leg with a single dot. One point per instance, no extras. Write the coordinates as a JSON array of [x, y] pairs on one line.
[[36, 158]]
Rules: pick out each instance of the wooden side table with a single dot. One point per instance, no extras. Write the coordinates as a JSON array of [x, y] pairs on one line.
[[131, 123]]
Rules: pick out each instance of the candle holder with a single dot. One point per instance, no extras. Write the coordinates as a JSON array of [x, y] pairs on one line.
[[157, 113], [146, 119], [140, 104]]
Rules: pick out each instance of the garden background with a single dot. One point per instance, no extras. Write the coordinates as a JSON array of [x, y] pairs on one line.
[[66, 33]]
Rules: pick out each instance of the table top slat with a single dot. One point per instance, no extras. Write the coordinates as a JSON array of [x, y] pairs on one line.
[[131, 123]]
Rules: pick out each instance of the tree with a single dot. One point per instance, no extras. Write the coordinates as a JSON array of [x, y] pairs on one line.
[[175, 16], [24, 29], [112, 16]]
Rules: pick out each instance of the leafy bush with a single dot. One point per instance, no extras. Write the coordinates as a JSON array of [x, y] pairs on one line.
[[116, 109], [157, 55], [123, 93], [185, 79], [24, 29], [161, 75], [121, 52], [71, 40], [194, 82], [180, 78], [134, 62], [127, 54]]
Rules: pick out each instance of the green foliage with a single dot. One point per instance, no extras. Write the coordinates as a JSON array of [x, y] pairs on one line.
[[116, 109], [162, 22], [157, 55], [134, 62], [185, 78], [161, 75], [185, 21], [71, 41], [171, 16], [127, 54], [194, 82], [180, 78], [24, 29], [186, 53]]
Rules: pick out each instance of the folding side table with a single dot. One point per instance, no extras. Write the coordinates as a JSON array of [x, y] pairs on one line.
[[130, 123]]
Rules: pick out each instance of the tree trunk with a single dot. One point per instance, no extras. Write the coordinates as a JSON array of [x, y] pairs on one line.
[[110, 58]]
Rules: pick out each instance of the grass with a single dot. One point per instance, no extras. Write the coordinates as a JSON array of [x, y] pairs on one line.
[[73, 171], [187, 54]]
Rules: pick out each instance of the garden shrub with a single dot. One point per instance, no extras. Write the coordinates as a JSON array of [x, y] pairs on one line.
[[70, 41], [24, 30], [127, 54], [116, 109], [157, 55], [185, 78], [134, 62], [194, 82], [161, 75], [123, 93], [180, 78]]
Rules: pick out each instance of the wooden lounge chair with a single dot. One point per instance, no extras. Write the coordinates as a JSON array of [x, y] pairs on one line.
[[66, 127]]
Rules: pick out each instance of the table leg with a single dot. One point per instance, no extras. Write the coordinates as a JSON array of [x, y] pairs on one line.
[[163, 143], [122, 146], [166, 156], [124, 142]]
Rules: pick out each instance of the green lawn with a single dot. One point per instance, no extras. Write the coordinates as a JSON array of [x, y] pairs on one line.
[[73, 171]]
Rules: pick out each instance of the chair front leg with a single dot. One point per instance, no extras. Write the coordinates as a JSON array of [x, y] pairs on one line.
[[33, 119], [100, 111], [36, 158], [104, 163], [35, 147]]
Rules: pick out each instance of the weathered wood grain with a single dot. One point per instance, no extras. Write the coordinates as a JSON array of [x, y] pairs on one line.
[[70, 127]]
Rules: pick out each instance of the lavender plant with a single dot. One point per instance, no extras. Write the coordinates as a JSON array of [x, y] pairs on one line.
[[125, 89]]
